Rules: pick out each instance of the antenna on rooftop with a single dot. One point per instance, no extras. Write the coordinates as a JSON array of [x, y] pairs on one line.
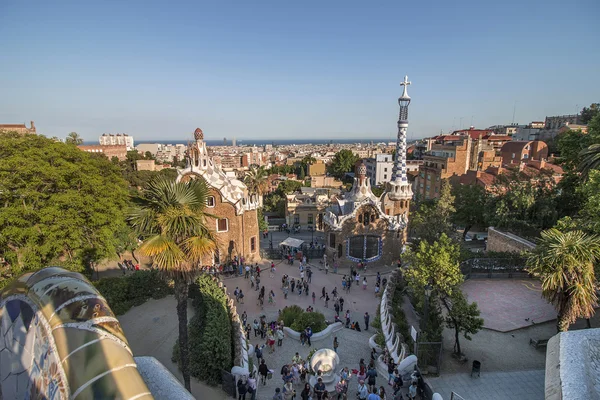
[[514, 110]]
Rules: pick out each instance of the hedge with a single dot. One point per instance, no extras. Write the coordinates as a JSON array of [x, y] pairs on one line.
[[209, 332], [314, 319], [290, 313], [132, 290]]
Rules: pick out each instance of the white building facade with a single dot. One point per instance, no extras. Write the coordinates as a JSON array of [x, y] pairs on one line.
[[109, 139], [380, 169]]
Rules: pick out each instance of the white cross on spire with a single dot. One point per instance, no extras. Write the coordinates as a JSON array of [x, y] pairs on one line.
[[405, 84]]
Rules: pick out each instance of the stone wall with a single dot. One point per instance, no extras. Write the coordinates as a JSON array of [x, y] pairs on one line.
[[237, 240], [507, 242]]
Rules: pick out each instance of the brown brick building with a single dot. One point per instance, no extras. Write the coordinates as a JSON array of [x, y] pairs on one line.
[[110, 151], [19, 128], [236, 225]]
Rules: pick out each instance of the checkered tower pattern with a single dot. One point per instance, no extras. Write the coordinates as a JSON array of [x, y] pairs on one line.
[[400, 161]]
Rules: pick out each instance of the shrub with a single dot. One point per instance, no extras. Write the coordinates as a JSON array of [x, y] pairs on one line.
[[210, 332], [290, 314], [380, 339], [315, 320], [131, 290]]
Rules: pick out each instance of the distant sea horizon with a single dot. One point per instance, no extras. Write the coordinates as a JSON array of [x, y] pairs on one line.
[[262, 142]]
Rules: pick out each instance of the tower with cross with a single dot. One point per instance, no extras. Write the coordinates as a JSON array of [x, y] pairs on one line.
[[396, 199]]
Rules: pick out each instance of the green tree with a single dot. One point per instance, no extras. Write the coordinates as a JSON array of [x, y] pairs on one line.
[[342, 162], [170, 218], [257, 180], [570, 146], [588, 113], [589, 214], [56, 203], [302, 174], [462, 316], [590, 159], [433, 217], [74, 138], [288, 187], [470, 202], [149, 156], [436, 265], [564, 261]]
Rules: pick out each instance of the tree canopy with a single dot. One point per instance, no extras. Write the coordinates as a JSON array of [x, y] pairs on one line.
[[470, 204], [57, 202], [342, 162], [74, 138]]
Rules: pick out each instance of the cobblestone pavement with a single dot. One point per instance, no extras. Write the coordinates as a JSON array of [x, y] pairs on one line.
[[509, 304], [353, 345], [516, 385]]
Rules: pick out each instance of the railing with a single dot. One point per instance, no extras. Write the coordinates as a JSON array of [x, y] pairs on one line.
[[493, 268]]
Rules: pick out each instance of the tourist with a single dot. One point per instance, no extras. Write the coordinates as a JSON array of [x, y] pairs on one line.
[[306, 392], [362, 391], [323, 291], [248, 331], [280, 336], [236, 292], [364, 283], [341, 389], [252, 280], [247, 275], [263, 371], [326, 300], [277, 395], [326, 268], [272, 272], [377, 288], [306, 288], [341, 304], [309, 275], [319, 389], [252, 386], [257, 282], [367, 318], [271, 297], [347, 318], [302, 338], [258, 351], [293, 283], [335, 344], [336, 307], [412, 391], [372, 377], [242, 388], [297, 359], [271, 341], [240, 297], [382, 393], [288, 391], [397, 381], [325, 395], [309, 334], [296, 372], [314, 297], [391, 367]]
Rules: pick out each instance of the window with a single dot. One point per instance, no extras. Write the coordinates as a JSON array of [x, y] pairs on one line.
[[385, 170], [253, 244], [222, 225], [428, 177], [384, 176], [210, 201], [296, 219], [525, 155], [310, 219], [332, 240], [513, 155]]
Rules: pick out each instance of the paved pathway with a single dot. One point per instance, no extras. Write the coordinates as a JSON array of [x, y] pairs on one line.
[[516, 385], [353, 345], [509, 304]]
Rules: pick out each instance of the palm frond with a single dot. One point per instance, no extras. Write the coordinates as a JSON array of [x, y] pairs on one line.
[[590, 159], [198, 247], [166, 254]]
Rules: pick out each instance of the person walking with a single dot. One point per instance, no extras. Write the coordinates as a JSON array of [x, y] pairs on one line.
[[326, 300], [241, 297], [314, 297], [309, 334], [372, 377], [256, 327], [263, 371], [252, 386], [280, 336], [348, 319], [242, 388], [293, 283], [336, 307], [306, 392], [322, 293], [277, 395], [258, 351], [364, 283], [363, 391], [367, 318], [335, 344], [288, 391], [309, 275], [341, 304]]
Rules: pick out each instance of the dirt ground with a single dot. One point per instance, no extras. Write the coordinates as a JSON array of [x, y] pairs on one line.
[[151, 330]]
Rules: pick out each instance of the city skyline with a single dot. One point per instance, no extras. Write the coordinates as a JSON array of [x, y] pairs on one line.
[[267, 71]]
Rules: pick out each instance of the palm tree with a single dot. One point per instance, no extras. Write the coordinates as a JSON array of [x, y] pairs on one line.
[[590, 159], [74, 138], [256, 179], [565, 263], [169, 216]]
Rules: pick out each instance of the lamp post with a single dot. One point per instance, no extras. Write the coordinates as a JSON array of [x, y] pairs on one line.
[[426, 307]]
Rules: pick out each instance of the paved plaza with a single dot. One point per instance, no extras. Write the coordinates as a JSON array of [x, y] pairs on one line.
[[509, 304], [517, 385]]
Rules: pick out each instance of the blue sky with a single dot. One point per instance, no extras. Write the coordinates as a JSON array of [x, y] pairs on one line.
[[283, 69]]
